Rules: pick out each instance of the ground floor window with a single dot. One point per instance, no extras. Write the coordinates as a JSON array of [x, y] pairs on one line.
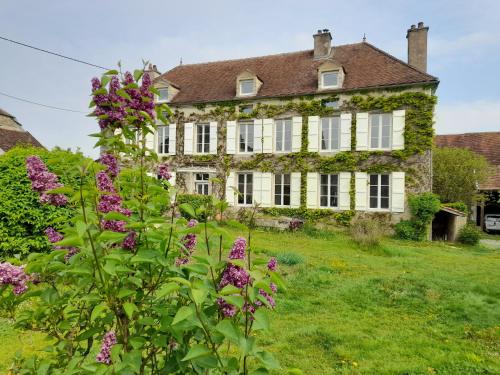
[[329, 190], [282, 189], [201, 183], [379, 191], [245, 188]]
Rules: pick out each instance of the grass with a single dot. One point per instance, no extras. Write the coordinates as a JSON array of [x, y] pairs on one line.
[[399, 308]]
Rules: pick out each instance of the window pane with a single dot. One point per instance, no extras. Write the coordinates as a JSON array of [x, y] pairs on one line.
[[288, 135], [163, 94], [384, 203], [286, 177], [323, 201], [335, 133], [384, 191], [384, 179], [279, 135], [249, 138], [249, 178], [373, 203], [286, 200], [373, 190], [246, 108], [325, 133], [324, 179], [206, 139], [246, 86], [334, 179], [330, 79], [373, 179], [386, 119], [333, 201]]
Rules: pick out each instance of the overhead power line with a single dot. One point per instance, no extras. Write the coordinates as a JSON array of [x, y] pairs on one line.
[[40, 104], [53, 53]]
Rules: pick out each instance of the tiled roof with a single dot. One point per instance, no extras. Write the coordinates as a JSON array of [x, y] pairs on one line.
[[10, 138], [292, 73], [486, 144]]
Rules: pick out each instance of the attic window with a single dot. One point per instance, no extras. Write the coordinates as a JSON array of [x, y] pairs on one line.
[[247, 87], [246, 108], [330, 79], [163, 94]]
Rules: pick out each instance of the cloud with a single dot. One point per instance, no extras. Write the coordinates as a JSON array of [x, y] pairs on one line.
[[476, 116], [466, 46]]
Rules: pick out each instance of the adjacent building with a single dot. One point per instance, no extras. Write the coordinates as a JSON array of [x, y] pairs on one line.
[[12, 133], [337, 127]]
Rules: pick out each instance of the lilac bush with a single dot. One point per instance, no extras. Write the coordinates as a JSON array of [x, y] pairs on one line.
[[131, 286]]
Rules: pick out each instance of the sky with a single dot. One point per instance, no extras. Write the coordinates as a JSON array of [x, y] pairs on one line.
[[463, 50]]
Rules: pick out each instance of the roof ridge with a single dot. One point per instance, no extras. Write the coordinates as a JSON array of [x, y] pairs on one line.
[[399, 60], [470, 133]]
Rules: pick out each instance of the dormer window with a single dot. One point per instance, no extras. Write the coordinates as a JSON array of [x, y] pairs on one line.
[[163, 94], [247, 87], [330, 79]]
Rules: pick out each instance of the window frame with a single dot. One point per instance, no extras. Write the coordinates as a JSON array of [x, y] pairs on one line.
[[160, 89], [380, 115], [247, 124], [281, 193], [379, 192], [205, 144], [330, 126], [163, 134], [202, 182], [240, 83], [285, 121], [244, 194], [329, 185], [324, 73]]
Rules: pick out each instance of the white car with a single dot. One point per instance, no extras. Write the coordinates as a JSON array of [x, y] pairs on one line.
[[492, 222]]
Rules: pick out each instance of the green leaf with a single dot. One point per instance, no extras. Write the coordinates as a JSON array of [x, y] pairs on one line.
[[70, 241], [295, 371], [237, 301], [182, 314], [268, 360], [145, 256], [188, 209], [167, 289], [124, 292], [261, 320], [259, 371], [110, 236], [112, 72], [121, 92], [229, 330], [199, 295], [138, 74], [98, 310], [116, 216], [181, 281], [130, 308], [229, 289], [197, 351]]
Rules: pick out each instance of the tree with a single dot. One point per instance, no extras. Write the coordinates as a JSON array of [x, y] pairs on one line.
[[457, 172]]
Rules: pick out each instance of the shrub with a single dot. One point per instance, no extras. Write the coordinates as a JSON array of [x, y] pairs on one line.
[[289, 259], [469, 235], [423, 207], [366, 231], [460, 206], [406, 230]]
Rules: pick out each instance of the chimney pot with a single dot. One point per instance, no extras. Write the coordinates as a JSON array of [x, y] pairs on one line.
[[417, 46], [413, 27], [322, 44], [420, 24], [319, 31]]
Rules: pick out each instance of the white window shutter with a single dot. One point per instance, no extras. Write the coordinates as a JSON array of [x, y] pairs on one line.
[[150, 141], [313, 133], [266, 189], [257, 188], [361, 187], [267, 135], [231, 137], [172, 135], [295, 190], [362, 131], [188, 138], [312, 190], [344, 191], [257, 136], [172, 178], [398, 192], [296, 133], [345, 131], [213, 137], [230, 188], [398, 129]]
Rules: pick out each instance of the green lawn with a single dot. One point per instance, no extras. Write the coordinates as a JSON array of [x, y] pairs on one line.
[[402, 308]]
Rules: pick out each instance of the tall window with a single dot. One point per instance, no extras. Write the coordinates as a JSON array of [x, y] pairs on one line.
[[284, 135], [282, 189], [201, 183], [330, 133], [380, 130], [246, 136], [163, 94], [329, 190], [247, 87], [330, 79], [203, 138], [245, 188], [379, 191], [163, 140]]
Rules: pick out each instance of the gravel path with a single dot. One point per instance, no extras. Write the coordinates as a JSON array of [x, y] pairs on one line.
[[495, 244]]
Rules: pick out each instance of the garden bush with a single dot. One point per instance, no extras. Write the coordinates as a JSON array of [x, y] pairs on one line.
[[366, 231], [407, 230], [289, 259], [469, 235], [23, 218], [423, 207]]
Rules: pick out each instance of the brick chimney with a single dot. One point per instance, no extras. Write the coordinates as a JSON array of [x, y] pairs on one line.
[[417, 46], [322, 44], [152, 71]]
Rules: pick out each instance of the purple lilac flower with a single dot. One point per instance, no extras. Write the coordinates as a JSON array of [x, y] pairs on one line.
[[238, 250], [130, 241], [180, 261], [111, 163], [15, 276], [42, 181], [71, 251], [268, 297], [108, 341], [273, 287], [192, 223], [227, 309], [104, 182], [164, 172], [271, 265], [189, 243], [53, 235], [234, 275], [114, 225]]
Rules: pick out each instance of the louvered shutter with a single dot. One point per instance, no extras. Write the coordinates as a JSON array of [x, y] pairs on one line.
[[361, 187], [188, 138], [398, 129], [361, 131], [296, 133], [398, 192], [266, 189], [213, 137], [230, 188], [295, 190], [267, 135], [344, 191], [231, 137], [312, 190], [257, 136], [172, 136], [313, 133], [345, 131], [257, 187]]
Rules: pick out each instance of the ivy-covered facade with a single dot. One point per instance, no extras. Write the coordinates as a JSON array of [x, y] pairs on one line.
[[333, 151]]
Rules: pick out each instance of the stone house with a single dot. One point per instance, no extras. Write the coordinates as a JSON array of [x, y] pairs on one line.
[[342, 128], [12, 133]]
